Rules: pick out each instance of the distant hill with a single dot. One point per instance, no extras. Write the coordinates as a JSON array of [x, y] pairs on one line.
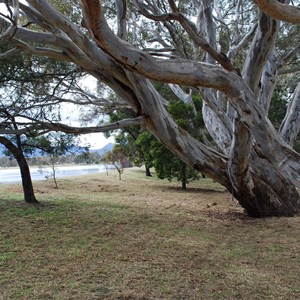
[[105, 149], [75, 150]]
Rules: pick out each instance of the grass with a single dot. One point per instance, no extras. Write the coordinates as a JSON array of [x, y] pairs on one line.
[[141, 238]]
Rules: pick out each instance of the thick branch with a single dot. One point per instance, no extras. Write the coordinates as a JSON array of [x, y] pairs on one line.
[[268, 81], [288, 71], [185, 98], [239, 158], [291, 124], [188, 72], [279, 11]]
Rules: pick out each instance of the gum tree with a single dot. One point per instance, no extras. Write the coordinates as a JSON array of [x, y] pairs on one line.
[[227, 51]]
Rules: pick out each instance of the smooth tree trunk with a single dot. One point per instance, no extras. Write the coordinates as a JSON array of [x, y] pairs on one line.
[[29, 196]]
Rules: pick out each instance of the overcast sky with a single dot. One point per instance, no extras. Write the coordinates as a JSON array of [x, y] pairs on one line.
[[71, 113]]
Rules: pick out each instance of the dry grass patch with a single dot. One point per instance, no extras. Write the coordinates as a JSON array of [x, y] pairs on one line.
[[141, 238]]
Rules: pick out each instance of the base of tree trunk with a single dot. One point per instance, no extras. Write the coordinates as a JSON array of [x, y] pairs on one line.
[[148, 172], [264, 201], [31, 200]]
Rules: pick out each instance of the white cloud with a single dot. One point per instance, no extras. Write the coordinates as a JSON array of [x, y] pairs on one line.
[[95, 140]]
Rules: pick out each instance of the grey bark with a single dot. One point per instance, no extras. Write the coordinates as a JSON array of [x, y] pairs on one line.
[[290, 126]]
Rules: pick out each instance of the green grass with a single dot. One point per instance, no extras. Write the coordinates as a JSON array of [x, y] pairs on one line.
[[140, 238]]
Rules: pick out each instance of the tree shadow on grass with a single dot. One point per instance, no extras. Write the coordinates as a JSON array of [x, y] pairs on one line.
[[193, 190]]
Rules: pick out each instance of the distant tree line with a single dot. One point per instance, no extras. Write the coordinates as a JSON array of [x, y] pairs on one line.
[[86, 158]]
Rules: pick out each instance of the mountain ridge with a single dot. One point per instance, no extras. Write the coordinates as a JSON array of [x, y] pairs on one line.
[[78, 150]]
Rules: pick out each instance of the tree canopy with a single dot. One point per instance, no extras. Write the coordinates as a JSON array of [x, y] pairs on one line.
[[231, 53]]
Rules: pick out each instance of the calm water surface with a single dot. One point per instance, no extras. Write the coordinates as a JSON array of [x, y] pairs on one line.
[[9, 175]]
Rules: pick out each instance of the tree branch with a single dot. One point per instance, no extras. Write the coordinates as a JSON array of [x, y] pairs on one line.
[[8, 53], [13, 18], [31, 128], [288, 71], [279, 11], [290, 126], [191, 30], [232, 51]]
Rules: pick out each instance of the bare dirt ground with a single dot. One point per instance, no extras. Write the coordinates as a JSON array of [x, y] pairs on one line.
[[142, 238]]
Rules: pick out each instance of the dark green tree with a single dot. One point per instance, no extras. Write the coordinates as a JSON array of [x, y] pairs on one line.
[[166, 164], [88, 158]]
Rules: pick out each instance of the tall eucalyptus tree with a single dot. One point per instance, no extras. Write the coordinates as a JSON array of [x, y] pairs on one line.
[[227, 51]]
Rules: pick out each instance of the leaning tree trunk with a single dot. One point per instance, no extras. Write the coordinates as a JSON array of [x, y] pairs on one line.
[[29, 196], [268, 193], [263, 188]]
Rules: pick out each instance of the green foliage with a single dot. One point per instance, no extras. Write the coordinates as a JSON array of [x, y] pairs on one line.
[[69, 8], [127, 137], [27, 84], [278, 106], [145, 141], [88, 158], [167, 165], [54, 143], [278, 109], [140, 146]]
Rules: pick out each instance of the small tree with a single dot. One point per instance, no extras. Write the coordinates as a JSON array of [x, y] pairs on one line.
[[53, 145], [166, 164], [169, 166], [113, 157]]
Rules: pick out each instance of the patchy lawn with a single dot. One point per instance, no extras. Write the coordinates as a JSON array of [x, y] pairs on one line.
[[142, 238]]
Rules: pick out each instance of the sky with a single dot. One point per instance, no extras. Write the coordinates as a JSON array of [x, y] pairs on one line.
[[70, 116], [96, 140]]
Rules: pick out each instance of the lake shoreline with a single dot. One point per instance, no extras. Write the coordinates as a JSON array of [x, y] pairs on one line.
[[12, 175]]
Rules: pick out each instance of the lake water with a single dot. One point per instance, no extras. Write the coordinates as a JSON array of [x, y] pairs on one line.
[[12, 175]]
